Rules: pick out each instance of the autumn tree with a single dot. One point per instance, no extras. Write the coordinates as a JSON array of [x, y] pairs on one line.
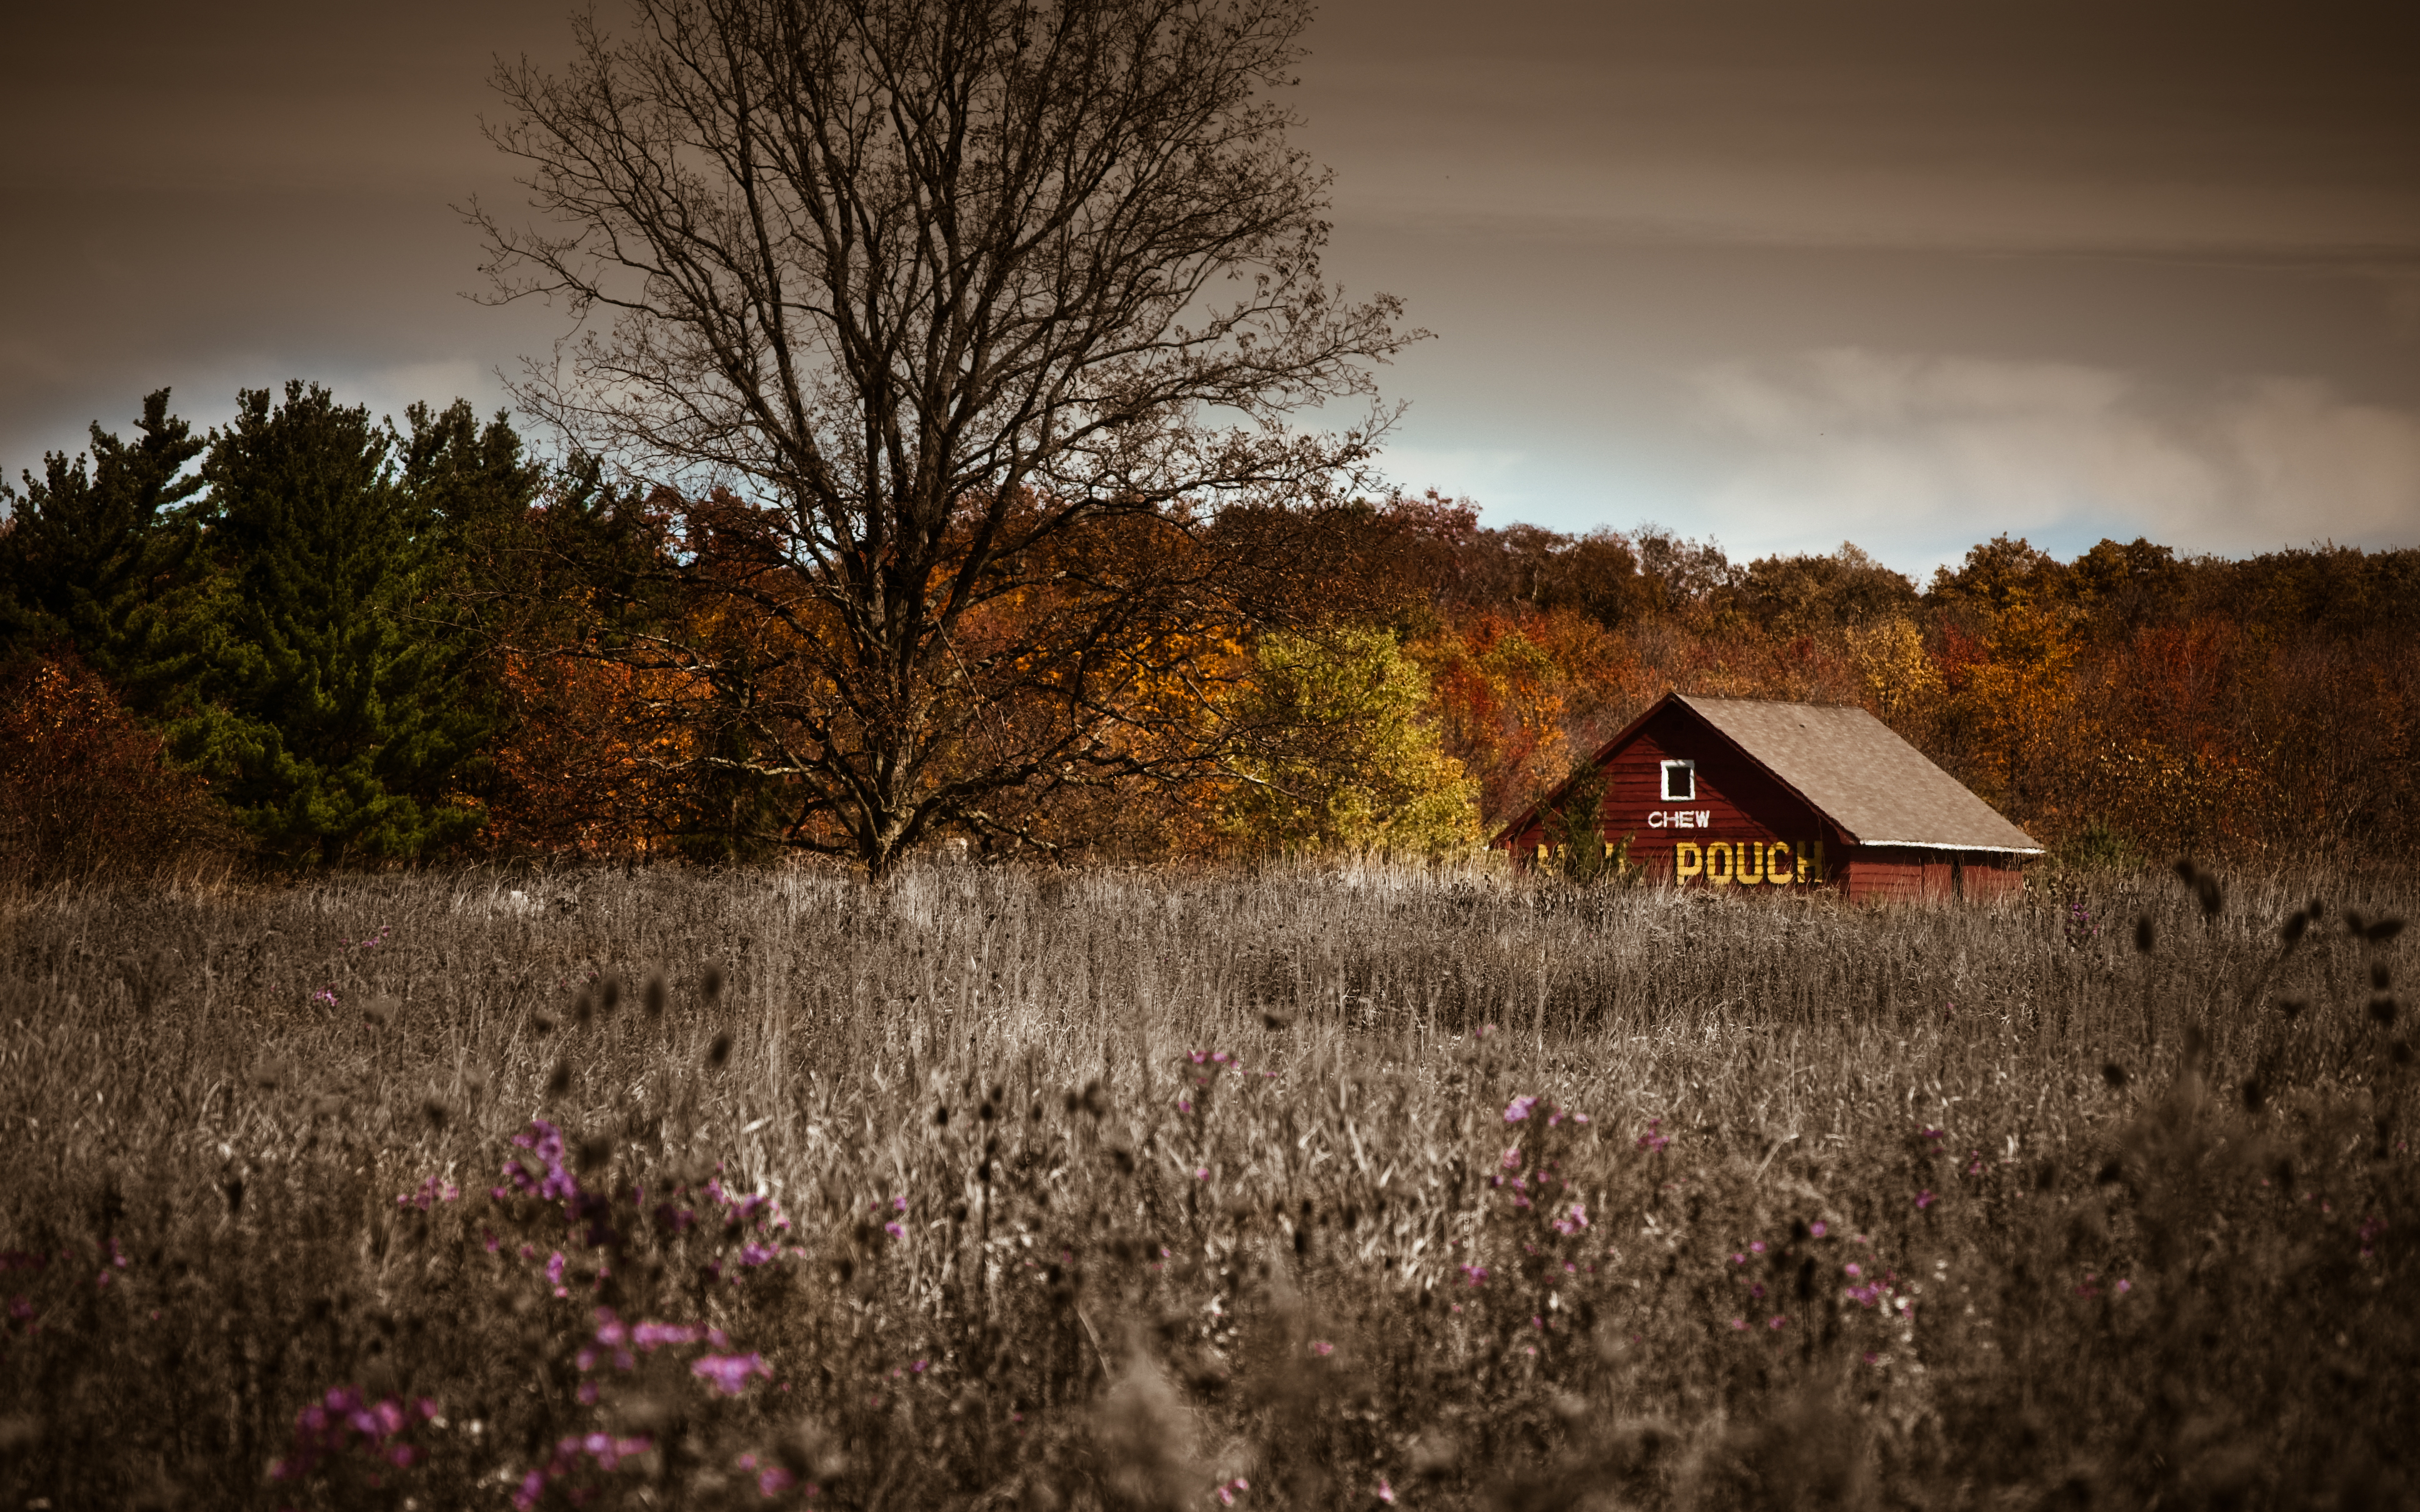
[[937, 290], [1343, 760]]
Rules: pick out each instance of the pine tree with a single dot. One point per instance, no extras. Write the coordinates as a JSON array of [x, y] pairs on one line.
[[94, 546], [333, 709]]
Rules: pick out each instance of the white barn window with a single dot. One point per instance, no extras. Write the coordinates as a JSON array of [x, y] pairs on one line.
[[1679, 781]]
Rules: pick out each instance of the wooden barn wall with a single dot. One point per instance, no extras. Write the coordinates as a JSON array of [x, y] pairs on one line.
[[1908, 874], [1745, 812]]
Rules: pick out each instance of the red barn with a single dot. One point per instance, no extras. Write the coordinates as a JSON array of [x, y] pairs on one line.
[[1749, 793]]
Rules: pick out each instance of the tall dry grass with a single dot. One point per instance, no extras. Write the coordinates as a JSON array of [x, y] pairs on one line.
[[1169, 1189]]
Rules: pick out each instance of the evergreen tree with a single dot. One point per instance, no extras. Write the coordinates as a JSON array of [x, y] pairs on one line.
[[94, 546], [333, 711], [470, 483]]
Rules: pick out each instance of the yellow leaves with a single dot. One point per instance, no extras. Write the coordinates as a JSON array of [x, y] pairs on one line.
[[1899, 674], [1346, 760]]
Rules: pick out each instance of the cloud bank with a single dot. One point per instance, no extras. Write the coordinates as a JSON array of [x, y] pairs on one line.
[[1908, 454]]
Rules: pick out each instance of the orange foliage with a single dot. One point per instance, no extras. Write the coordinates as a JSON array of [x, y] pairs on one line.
[[85, 789], [593, 765]]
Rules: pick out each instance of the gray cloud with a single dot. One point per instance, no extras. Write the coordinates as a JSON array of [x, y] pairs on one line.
[[1901, 451], [1629, 225]]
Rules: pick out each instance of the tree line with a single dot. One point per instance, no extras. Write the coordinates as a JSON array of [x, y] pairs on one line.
[[936, 464], [317, 637]]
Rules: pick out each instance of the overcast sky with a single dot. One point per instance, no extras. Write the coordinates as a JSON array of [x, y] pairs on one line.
[[1780, 273]]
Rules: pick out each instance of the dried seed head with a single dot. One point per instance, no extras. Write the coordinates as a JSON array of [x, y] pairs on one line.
[[2115, 1074], [560, 1082], [719, 1051], [1272, 1022], [542, 1023], [642, 1413], [941, 1117], [1434, 1455], [434, 1109]]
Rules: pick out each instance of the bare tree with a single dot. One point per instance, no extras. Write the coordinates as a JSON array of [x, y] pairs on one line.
[[973, 319]]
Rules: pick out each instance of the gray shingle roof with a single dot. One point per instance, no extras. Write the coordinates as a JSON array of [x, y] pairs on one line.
[[1876, 786]]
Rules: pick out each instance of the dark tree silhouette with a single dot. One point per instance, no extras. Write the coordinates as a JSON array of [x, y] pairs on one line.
[[93, 547], [956, 324]]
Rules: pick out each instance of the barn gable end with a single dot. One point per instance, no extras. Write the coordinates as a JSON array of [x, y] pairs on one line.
[[1791, 795]]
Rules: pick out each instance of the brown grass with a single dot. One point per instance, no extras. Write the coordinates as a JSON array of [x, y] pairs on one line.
[[2153, 1232]]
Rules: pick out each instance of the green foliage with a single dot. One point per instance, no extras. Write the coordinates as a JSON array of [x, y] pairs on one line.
[[93, 547], [1342, 760], [1574, 825], [2098, 845], [469, 485], [331, 706]]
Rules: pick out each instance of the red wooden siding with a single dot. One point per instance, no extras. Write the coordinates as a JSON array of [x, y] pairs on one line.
[[1746, 814], [1911, 874], [1742, 823]]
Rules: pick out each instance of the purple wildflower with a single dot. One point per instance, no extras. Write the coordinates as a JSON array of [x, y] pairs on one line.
[[656, 1335], [548, 1177], [729, 1373]]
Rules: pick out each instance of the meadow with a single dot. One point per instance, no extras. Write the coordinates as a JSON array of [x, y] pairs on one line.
[[1164, 1188]]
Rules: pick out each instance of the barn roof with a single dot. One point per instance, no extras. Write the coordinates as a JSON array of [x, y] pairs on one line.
[[1861, 775], [1849, 766]]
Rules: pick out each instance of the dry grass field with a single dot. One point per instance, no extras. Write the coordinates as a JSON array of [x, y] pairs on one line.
[[1158, 1189]]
